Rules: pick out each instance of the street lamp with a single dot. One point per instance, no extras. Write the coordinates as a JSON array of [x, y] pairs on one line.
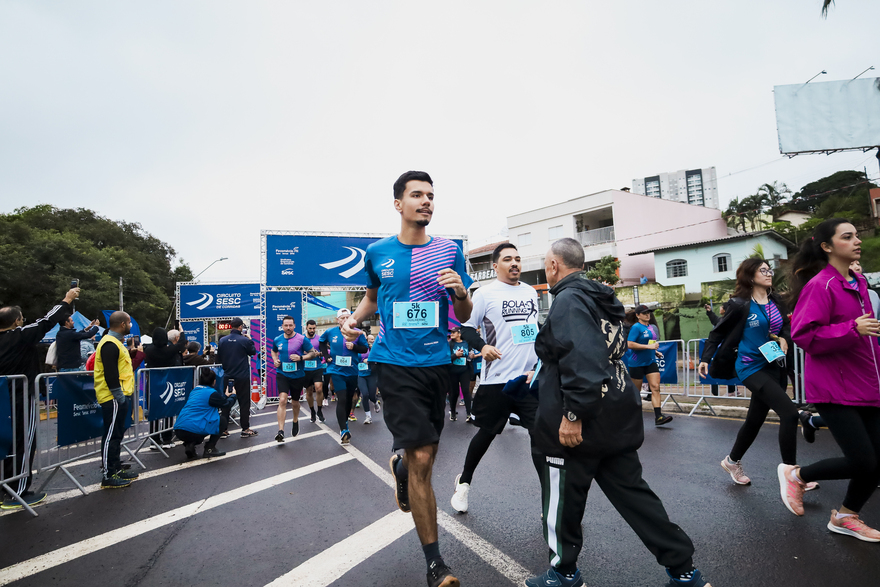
[[823, 72], [857, 77], [174, 305]]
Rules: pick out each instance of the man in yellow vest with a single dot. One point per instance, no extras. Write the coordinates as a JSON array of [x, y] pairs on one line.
[[114, 386]]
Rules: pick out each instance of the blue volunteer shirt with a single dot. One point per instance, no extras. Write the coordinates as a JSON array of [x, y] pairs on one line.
[[641, 334], [341, 354], [749, 360], [295, 345], [407, 275]]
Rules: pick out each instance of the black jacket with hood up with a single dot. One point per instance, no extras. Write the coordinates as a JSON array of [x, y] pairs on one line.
[[162, 354], [581, 347]]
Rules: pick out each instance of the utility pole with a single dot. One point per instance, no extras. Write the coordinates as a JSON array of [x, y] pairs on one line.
[[120, 294]]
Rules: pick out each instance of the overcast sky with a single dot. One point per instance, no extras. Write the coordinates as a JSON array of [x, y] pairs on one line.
[[209, 121]]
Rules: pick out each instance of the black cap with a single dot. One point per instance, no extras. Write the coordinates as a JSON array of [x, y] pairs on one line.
[[236, 322], [642, 309]]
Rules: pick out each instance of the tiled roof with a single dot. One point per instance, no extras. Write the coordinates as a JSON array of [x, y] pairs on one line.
[[738, 236]]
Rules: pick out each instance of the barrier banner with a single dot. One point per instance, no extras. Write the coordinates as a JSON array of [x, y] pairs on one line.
[[168, 392], [195, 331], [205, 301], [5, 419], [80, 417], [311, 260], [712, 380], [669, 363]]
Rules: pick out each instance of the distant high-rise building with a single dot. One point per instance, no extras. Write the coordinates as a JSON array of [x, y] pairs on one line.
[[693, 186]]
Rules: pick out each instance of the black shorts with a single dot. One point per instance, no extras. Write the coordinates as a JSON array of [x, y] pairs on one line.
[[475, 373], [414, 399], [313, 377], [286, 385], [491, 408], [640, 372]]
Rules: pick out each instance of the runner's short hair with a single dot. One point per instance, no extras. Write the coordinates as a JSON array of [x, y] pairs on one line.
[[288, 318], [311, 323], [570, 252], [9, 315], [400, 184], [496, 254]]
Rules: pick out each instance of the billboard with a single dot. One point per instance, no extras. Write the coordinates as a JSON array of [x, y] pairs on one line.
[[207, 301], [298, 260], [195, 331], [828, 116], [280, 304]]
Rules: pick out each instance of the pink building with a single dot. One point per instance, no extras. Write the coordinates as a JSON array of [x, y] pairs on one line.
[[612, 222]]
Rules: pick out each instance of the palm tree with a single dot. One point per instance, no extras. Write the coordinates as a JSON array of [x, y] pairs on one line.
[[734, 215], [773, 195], [825, 5]]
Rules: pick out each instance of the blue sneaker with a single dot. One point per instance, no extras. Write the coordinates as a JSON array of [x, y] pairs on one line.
[[553, 579], [695, 579], [346, 436]]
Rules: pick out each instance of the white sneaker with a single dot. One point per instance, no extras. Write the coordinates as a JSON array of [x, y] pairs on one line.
[[459, 499], [325, 403], [368, 419]]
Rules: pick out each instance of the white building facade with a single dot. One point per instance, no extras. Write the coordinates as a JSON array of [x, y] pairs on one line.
[[698, 187]]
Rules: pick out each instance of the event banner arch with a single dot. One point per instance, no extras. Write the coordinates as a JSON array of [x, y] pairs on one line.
[[218, 301], [312, 260]]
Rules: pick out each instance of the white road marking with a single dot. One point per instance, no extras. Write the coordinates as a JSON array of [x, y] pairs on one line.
[[332, 563], [66, 554], [502, 563], [55, 497]]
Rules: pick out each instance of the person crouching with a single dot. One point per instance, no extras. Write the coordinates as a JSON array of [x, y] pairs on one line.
[[199, 416]]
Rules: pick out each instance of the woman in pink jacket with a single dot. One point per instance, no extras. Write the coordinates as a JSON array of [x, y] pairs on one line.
[[834, 323]]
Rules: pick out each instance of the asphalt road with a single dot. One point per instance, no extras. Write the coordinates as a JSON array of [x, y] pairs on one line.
[[311, 512]]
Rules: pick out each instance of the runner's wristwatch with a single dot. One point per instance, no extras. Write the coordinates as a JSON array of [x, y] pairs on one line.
[[572, 417]]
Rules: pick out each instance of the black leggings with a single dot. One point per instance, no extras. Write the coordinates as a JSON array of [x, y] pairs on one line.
[[857, 432], [476, 449], [768, 391], [460, 380], [345, 388]]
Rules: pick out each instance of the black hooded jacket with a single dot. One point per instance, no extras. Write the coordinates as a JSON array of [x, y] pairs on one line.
[[581, 348], [162, 354]]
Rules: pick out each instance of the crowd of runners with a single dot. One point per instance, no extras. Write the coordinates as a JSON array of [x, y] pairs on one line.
[[572, 381]]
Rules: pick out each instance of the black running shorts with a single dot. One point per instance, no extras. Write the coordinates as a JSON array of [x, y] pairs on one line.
[[414, 399], [640, 372], [287, 385], [491, 408], [313, 377]]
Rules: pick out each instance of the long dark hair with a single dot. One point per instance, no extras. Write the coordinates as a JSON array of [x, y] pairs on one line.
[[745, 277], [810, 258]]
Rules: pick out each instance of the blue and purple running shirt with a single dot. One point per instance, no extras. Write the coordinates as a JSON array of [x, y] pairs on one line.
[[408, 274]]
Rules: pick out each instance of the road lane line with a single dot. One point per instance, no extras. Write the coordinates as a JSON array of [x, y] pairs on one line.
[[56, 497], [502, 563], [71, 552], [332, 563]]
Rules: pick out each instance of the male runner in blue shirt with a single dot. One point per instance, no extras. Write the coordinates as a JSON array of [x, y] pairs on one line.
[[290, 350], [414, 280]]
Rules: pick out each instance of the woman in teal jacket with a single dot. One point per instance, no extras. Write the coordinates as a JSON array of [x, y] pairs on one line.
[[199, 416]]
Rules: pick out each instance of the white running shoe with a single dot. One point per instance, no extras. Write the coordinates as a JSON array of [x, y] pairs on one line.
[[459, 499], [368, 419]]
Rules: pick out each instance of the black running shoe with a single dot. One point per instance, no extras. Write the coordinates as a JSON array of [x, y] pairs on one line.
[[29, 497], [313, 416], [663, 419], [401, 491], [806, 427], [114, 482], [295, 429], [320, 415], [439, 575], [129, 475], [213, 452], [453, 416], [280, 436]]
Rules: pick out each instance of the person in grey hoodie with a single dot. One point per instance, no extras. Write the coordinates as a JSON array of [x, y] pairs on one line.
[[589, 426], [834, 323]]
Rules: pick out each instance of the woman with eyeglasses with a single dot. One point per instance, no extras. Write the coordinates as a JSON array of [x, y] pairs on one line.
[[751, 339], [834, 323]]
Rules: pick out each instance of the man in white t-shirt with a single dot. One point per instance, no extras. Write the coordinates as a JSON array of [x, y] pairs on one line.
[[507, 312]]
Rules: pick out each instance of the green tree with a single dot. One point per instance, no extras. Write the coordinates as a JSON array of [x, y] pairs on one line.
[[734, 215], [43, 248], [605, 270], [848, 190], [773, 196]]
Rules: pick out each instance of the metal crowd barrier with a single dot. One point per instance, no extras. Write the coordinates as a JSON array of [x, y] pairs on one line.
[[69, 442], [142, 434], [678, 386], [695, 386], [799, 362], [29, 410]]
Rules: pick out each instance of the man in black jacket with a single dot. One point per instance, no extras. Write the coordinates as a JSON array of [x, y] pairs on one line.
[[67, 351], [589, 426], [18, 356], [163, 352], [234, 352]]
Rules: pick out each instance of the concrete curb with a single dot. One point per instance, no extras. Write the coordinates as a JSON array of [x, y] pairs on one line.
[[687, 404]]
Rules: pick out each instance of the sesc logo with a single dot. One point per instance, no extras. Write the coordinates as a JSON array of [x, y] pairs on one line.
[[354, 269], [173, 390], [203, 302], [287, 272]]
